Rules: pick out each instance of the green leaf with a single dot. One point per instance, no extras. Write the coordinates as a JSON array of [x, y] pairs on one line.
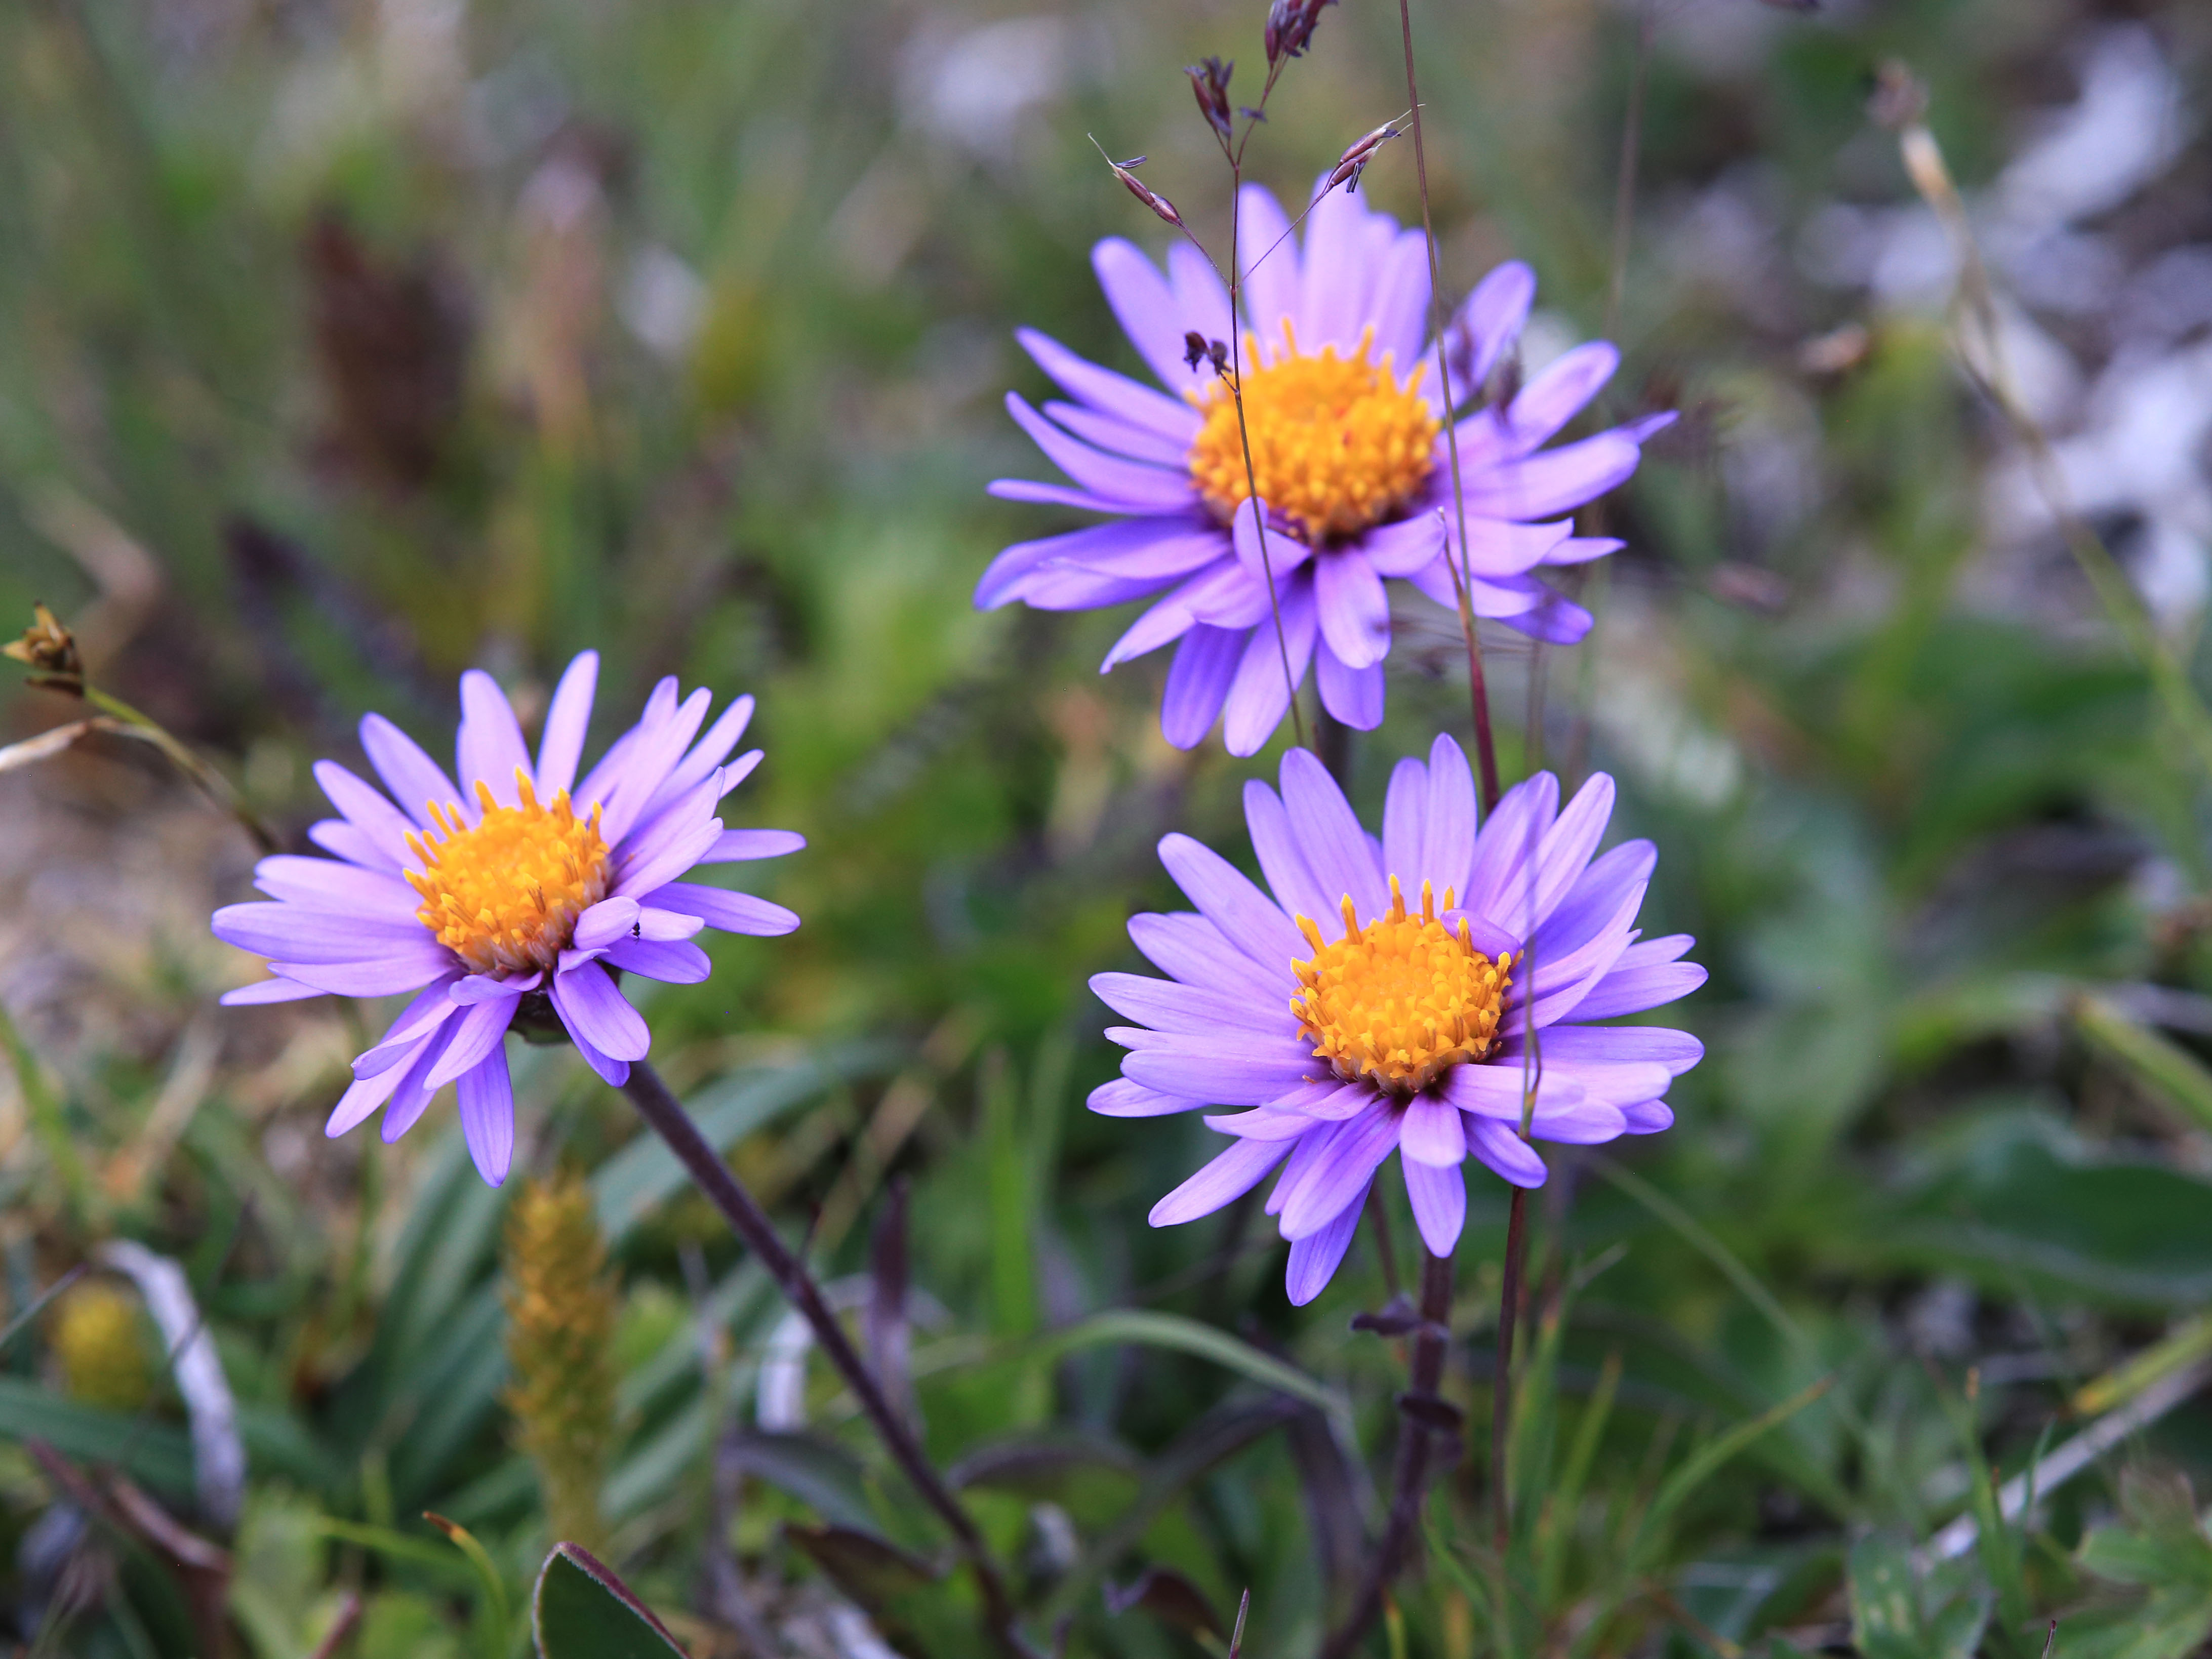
[[1895, 1615], [2166, 1069], [155, 1455], [580, 1610], [495, 1612], [1164, 1330]]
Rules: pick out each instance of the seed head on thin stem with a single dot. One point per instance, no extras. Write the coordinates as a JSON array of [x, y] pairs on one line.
[[1209, 81], [1137, 187], [1290, 25]]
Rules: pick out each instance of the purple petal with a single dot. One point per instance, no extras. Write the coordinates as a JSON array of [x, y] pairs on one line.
[[606, 922], [1314, 1259], [489, 749], [611, 1071], [1194, 951], [1272, 281], [1237, 1077], [1263, 548], [1353, 696], [1505, 1152], [1633, 990], [1200, 300], [383, 826], [1263, 1123], [377, 976], [1431, 1132], [1528, 606], [1503, 876], [1565, 852], [1339, 1175], [1648, 1117], [1498, 548], [1588, 1123], [353, 844], [1558, 481], [1118, 437], [1581, 550], [268, 990], [648, 765], [1140, 487], [413, 1095], [1328, 1101], [562, 745], [739, 846], [1591, 902], [1123, 1099], [1557, 396], [361, 1099], [709, 752], [1283, 861], [288, 932], [432, 1007], [1337, 275], [1198, 683], [672, 845], [414, 779], [1052, 495], [1227, 898], [1495, 1089], [1401, 549], [1260, 695], [481, 1029], [1399, 302], [1231, 1176], [1492, 319], [1619, 1045], [488, 987], [673, 961], [733, 912], [487, 1099], [1405, 823], [1146, 306], [325, 884], [1116, 394], [592, 1009], [1438, 1194], [1166, 1005], [1448, 846], [1336, 848]]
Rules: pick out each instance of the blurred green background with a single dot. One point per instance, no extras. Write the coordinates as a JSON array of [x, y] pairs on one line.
[[346, 343]]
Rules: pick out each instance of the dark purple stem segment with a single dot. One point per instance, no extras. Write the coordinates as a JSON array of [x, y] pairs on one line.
[[664, 1115], [1416, 1445]]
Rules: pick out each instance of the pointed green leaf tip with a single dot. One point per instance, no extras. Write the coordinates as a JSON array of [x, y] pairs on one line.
[[580, 1610]]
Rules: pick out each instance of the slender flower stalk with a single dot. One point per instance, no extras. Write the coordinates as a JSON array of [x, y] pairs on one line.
[[664, 1115]]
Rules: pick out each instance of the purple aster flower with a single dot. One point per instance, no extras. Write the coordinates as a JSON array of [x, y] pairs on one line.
[[508, 898], [1345, 416], [1355, 1019]]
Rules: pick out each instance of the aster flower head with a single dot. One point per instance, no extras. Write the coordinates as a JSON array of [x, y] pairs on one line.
[[1350, 472], [508, 898], [1414, 994]]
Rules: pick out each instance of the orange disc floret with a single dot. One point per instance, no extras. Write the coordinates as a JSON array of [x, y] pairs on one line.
[[1399, 1001], [504, 893], [1338, 443]]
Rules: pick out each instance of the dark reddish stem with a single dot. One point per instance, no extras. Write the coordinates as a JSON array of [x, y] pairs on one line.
[[664, 1115], [1417, 1445]]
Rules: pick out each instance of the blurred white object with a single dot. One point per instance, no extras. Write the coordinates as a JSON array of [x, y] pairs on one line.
[[971, 89], [661, 301], [2125, 130], [218, 1455]]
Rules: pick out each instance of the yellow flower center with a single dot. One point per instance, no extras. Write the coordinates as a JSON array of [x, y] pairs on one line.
[[504, 894], [1337, 443], [1401, 1000]]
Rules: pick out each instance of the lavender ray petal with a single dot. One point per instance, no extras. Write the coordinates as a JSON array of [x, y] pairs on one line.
[[1261, 1123], [1227, 898], [1648, 1117], [1633, 990], [673, 961], [1492, 319], [1405, 827], [481, 1028], [1492, 1088], [489, 748], [561, 745], [1506, 848], [487, 987], [1353, 695], [1505, 1152], [1197, 683], [486, 1105], [1123, 1099], [1557, 395], [591, 1007], [1619, 1045], [1591, 1122], [375, 976], [1194, 951], [1146, 306], [741, 845], [733, 912], [1167, 1005], [1431, 1132], [1213, 1078], [1146, 486], [1438, 1196], [353, 844], [1272, 283], [1410, 545], [1283, 861], [1449, 842], [384, 825], [289, 933], [1556, 481], [1341, 1174], [1258, 697], [268, 990], [1335, 846], [1315, 1258], [1230, 1175], [433, 1006], [604, 922], [360, 1101], [325, 884], [1353, 610], [413, 1095], [1116, 395], [414, 779]]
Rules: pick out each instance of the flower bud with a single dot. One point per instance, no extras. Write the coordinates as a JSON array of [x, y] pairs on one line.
[[50, 649]]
